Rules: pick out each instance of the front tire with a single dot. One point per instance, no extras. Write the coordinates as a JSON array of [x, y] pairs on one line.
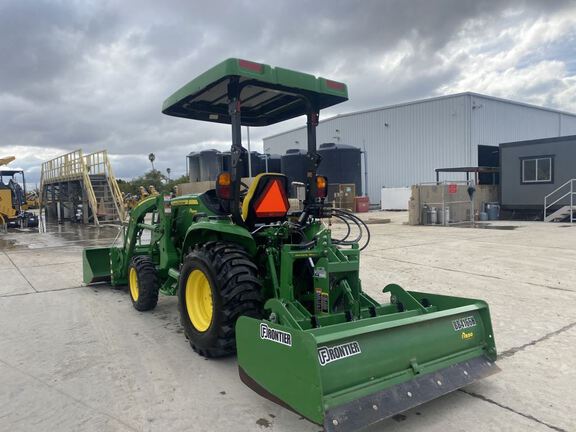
[[143, 283], [218, 284]]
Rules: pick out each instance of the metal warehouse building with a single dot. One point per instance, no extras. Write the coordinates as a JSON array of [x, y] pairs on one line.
[[405, 143]]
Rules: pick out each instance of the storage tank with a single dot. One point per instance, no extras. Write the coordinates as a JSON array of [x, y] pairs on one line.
[[257, 161], [210, 165], [293, 165], [225, 158], [274, 163], [257, 164], [341, 164], [194, 166]]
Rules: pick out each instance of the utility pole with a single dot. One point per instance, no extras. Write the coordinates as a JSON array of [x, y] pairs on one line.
[[365, 153], [266, 156]]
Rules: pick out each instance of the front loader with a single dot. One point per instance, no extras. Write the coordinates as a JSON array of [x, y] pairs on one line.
[[278, 286]]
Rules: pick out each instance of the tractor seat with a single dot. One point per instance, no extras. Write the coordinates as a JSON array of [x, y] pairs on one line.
[[266, 200], [211, 201]]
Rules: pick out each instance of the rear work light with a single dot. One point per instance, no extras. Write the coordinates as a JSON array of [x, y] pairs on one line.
[[321, 187], [224, 186]]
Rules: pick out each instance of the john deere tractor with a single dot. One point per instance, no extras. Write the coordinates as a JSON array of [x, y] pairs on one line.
[[276, 286]]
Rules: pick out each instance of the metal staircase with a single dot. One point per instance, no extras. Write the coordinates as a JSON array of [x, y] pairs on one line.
[[73, 179], [559, 204]]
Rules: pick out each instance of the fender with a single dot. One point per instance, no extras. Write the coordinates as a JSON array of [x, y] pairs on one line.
[[210, 230]]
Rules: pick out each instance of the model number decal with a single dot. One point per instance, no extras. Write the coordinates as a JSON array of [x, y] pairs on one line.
[[463, 323], [185, 202], [274, 335], [328, 355]]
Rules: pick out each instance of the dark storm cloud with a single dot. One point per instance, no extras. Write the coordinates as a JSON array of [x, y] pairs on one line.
[[93, 74], [41, 42]]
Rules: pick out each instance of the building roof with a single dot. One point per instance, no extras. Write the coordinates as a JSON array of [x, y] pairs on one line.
[[538, 141], [432, 99]]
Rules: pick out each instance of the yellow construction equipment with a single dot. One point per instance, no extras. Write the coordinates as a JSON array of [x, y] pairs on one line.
[[13, 198]]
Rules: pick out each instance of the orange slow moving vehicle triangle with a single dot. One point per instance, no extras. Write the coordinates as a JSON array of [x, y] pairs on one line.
[[273, 202]]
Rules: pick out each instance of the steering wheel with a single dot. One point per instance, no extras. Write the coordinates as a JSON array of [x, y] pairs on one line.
[[243, 189]]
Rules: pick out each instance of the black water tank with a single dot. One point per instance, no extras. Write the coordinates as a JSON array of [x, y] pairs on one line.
[[293, 165], [225, 158], [256, 159], [341, 164], [274, 163], [257, 164]]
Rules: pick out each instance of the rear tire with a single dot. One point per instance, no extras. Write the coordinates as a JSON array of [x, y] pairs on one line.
[[144, 283], [218, 284]]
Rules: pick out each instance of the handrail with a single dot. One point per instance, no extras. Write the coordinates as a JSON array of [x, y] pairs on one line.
[[69, 166], [99, 164], [91, 194], [118, 199], [570, 193], [563, 196], [76, 166]]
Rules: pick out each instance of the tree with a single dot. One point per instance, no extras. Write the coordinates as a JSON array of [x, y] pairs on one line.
[[155, 178]]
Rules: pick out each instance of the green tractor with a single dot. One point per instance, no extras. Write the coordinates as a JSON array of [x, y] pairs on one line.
[[276, 287]]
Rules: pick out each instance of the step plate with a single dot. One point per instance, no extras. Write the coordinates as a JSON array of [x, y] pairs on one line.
[[402, 397]]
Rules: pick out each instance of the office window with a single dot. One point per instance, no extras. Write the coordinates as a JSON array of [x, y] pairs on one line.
[[537, 170]]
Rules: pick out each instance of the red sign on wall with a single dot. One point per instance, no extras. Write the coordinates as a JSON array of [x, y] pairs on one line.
[[452, 188]]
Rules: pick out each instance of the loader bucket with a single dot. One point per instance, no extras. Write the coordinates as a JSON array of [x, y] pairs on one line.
[[96, 265], [347, 376]]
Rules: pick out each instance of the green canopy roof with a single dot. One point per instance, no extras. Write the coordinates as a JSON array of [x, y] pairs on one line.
[[271, 95]]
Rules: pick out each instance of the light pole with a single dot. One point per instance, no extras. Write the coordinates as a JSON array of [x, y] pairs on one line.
[[249, 154], [266, 156], [365, 154], [152, 158], [168, 171]]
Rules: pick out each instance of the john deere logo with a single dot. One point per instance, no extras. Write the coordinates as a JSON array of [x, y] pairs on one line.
[[328, 355], [278, 336]]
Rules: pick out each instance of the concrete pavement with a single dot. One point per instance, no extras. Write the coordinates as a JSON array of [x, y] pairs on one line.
[[76, 358]]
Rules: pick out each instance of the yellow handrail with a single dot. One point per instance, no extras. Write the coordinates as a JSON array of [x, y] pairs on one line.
[[76, 166], [99, 163], [69, 166]]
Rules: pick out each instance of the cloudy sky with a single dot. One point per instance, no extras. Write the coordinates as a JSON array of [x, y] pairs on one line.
[[92, 74]]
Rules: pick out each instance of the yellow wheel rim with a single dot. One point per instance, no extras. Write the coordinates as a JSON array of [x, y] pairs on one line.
[[199, 300], [133, 282]]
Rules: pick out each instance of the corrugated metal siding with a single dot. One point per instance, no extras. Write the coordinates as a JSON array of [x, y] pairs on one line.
[[567, 124], [419, 138], [495, 122], [422, 136]]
